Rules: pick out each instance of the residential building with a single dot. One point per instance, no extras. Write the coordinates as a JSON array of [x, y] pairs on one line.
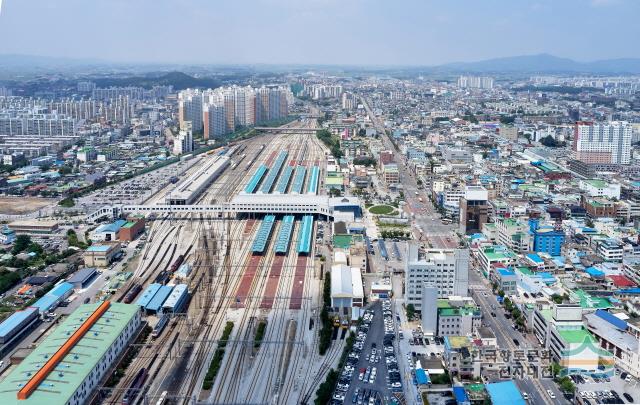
[[608, 142], [457, 316], [190, 108]]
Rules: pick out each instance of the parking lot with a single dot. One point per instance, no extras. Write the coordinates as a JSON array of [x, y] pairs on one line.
[[371, 375], [618, 389]]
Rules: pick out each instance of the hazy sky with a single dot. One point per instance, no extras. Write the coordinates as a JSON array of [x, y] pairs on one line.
[[380, 32]]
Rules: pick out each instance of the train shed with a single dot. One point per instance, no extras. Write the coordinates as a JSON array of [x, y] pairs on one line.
[[176, 299], [155, 305], [284, 234], [298, 180], [304, 238], [264, 233], [255, 180]]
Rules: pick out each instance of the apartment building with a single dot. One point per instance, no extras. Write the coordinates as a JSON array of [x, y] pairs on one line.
[[608, 142]]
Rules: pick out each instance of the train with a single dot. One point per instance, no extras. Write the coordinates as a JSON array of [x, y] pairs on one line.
[[135, 387], [177, 263], [162, 278], [174, 179], [163, 398], [132, 294], [162, 323]]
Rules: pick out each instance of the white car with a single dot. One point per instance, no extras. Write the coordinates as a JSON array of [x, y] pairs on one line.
[[525, 396], [551, 394]]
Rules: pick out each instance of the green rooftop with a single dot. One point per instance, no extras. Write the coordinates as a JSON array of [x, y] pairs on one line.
[[64, 380], [596, 183], [587, 300], [342, 241], [333, 181], [576, 336]]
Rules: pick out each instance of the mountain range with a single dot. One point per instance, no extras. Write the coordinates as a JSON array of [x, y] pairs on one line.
[[540, 63]]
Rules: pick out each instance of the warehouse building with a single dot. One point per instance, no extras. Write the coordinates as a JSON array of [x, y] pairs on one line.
[[53, 298], [346, 288], [74, 359], [83, 277], [131, 230], [15, 327], [107, 232], [176, 299], [101, 255]]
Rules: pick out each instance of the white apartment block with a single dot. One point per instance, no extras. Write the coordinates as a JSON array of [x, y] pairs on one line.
[[608, 143]]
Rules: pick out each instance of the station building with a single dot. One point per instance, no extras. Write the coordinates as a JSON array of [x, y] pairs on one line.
[[73, 360]]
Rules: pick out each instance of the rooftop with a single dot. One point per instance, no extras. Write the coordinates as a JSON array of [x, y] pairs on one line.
[[576, 336], [59, 386]]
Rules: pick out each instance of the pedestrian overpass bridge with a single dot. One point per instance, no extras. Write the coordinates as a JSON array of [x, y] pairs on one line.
[[288, 130], [303, 204]]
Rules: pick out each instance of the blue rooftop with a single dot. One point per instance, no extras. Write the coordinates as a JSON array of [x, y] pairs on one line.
[[535, 258], [461, 395], [46, 302], [504, 393], [505, 272], [593, 272], [112, 227], [159, 298], [14, 320], [421, 377], [98, 248], [612, 319], [61, 289]]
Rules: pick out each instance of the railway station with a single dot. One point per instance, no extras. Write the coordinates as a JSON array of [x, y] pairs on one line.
[[298, 180], [190, 189], [264, 234], [284, 234], [273, 173]]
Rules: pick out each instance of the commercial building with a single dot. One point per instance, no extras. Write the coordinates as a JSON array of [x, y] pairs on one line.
[[34, 228], [474, 209], [548, 240], [514, 234], [446, 269], [101, 255], [559, 327], [608, 142], [613, 334], [458, 357], [600, 188], [131, 229], [74, 359], [490, 255], [458, 316], [507, 281]]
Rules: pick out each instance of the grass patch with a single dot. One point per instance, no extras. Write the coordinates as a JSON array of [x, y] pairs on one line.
[[216, 361], [257, 340], [381, 209]]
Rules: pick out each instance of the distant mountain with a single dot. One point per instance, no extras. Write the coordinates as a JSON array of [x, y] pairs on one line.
[[178, 80], [545, 63], [9, 61]]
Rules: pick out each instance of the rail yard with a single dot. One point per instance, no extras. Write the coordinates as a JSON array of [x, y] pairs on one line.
[[247, 269]]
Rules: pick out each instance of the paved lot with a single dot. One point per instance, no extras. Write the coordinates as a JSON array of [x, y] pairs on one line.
[[379, 387], [620, 386]]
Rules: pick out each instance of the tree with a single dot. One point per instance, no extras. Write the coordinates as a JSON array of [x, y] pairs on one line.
[[411, 311], [549, 141], [20, 244], [64, 169]]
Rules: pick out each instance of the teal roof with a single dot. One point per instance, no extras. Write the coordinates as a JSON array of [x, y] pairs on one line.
[[73, 369]]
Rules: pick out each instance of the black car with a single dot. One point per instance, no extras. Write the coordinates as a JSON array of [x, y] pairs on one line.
[[627, 396], [516, 342]]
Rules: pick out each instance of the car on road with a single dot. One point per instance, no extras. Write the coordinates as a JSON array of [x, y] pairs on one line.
[[525, 396], [628, 397], [338, 397], [551, 394], [516, 342]]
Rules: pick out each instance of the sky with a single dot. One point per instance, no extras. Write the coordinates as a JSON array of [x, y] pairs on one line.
[[348, 32]]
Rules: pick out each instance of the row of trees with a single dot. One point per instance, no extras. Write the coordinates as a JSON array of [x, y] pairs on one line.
[[332, 142], [216, 361], [327, 326]]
